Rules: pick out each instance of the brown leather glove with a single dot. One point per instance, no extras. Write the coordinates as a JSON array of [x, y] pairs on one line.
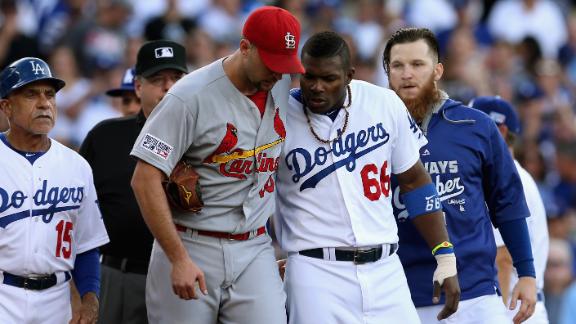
[[183, 188]]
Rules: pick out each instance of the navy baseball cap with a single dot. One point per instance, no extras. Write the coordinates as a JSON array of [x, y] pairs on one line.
[[499, 110], [127, 84], [158, 55]]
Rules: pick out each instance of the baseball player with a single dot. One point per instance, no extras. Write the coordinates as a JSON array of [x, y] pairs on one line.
[[477, 183], [226, 120], [130, 103], [107, 148], [334, 212], [50, 225], [508, 124]]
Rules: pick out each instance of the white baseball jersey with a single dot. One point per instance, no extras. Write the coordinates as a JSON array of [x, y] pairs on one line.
[[48, 211], [537, 227], [538, 230], [339, 194]]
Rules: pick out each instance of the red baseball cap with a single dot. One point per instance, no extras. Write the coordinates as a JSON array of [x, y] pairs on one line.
[[276, 34]]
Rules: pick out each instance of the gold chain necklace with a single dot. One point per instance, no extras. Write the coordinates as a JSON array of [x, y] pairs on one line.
[[321, 140]]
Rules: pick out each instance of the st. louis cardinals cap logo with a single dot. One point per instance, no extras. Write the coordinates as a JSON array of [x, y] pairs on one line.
[[162, 52], [290, 41]]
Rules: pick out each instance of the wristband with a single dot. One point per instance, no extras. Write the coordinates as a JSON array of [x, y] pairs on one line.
[[422, 200], [443, 248]]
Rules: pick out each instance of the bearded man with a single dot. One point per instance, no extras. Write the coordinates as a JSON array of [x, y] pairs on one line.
[[477, 183]]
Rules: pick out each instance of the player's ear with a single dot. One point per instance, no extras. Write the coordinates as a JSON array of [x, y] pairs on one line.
[[6, 107], [350, 75], [138, 86], [438, 71], [245, 46]]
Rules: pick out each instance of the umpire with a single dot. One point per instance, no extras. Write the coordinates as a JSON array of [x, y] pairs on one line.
[[125, 259]]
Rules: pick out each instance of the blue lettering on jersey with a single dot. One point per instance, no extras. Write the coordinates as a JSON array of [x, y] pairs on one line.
[[413, 126], [302, 162], [44, 196]]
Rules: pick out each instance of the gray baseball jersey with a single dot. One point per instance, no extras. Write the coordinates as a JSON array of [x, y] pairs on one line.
[[208, 121]]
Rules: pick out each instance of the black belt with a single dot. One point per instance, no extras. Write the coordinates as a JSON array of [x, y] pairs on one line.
[[33, 283], [358, 256], [138, 266]]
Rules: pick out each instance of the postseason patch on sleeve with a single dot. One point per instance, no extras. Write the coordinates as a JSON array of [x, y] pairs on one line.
[[156, 146]]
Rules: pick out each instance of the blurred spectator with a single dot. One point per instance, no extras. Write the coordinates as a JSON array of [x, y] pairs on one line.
[[223, 20], [465, 74], [170, 25], [14, 44], [99, 42], [568, 309], [200, 48], [143, 11], [532, 160], [73, 98], [513, 20], [468, 16], [129, 102], [565, 190], [436, 15], [506, 71], [557, 277], [132, 47], [367, 33], [529, 53], [56, 18], [98, 106]]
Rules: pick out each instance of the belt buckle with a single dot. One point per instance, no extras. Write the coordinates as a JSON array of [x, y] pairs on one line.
[[25, 283], [357, 256]]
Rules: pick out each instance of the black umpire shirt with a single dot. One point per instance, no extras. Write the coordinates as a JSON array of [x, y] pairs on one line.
[[107, 149]]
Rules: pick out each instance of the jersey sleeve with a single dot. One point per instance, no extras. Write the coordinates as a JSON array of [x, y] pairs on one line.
[[409, 140], [90, 230], [503, 189], [167, 134]]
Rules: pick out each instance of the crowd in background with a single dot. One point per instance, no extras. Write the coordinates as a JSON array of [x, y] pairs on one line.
[[521, 50]]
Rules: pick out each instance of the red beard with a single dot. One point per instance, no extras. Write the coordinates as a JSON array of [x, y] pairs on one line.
[[423, 102]]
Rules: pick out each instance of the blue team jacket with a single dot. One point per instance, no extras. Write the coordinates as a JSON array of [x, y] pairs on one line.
[[478, 183]]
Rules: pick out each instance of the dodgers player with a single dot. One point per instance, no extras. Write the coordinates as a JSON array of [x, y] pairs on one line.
[[334, 213], [50, 225], [508, 124], [226, 119], [476, 180]]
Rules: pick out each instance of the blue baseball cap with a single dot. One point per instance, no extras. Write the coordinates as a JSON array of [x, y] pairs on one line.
[[499, 110], [127, 84]]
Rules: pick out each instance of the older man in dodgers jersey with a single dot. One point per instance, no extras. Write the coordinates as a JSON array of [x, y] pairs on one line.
[[50, 224], [508, 124], [334, 214], [472, 170]]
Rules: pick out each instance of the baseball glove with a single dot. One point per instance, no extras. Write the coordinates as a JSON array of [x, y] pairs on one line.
[[183, 188]]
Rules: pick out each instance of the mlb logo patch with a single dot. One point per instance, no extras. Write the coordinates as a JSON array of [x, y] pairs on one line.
[[156, 146], [162, 52]]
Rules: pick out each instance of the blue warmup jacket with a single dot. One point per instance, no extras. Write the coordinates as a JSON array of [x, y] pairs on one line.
[[478, 183]]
